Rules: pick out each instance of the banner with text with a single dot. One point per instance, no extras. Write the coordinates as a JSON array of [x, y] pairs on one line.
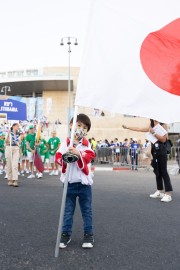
[[13, 108]]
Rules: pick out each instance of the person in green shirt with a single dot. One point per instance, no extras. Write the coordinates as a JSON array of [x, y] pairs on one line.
[[2, 151], [53, 144], [43, 150], [94, 144], [23, 154], [30, 145]]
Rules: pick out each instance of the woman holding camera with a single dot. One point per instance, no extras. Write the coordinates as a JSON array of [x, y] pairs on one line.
[[159, 161]]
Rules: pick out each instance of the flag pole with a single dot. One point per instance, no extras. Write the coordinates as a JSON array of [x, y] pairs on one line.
[[61, 216], [35, 149], [37, 139]]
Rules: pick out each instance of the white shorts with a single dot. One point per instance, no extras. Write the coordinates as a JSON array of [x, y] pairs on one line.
[[2, 156], [30, 156], [44, 159], [51, 158], [24, 158]]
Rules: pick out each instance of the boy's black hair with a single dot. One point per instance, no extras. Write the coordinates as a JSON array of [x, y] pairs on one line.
[[83, 118]]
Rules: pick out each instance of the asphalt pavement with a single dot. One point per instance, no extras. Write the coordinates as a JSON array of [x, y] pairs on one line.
[[131, 230]]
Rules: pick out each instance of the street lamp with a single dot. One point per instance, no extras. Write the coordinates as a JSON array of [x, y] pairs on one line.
[[5, 89], [69, 39]]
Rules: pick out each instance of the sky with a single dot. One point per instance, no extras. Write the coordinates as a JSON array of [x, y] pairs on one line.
[[31, 32]]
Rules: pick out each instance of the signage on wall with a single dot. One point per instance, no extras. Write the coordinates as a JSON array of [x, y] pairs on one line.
[[12, 108]]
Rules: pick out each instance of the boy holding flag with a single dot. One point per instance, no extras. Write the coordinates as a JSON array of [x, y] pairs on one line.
[[79, 181]]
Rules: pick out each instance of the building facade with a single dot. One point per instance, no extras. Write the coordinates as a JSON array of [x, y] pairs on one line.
[[48, 94]]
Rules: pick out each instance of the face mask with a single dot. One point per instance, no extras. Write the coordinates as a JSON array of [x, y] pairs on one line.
[[79, 133]]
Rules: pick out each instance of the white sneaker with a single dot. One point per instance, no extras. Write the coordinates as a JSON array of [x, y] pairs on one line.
[[39, 175], [1, 172], [157, 195], [22, 172], [52, 173], [88, 241], [19, 173], [31, 176], [166, 198], [65, 240], [56, 172], [6, 176], [27, 171]]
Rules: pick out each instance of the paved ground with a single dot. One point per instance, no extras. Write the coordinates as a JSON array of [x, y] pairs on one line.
[[132, 231]]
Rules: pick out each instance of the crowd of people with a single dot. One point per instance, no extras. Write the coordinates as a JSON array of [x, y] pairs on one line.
[[18, 144], [24, 125], [130, 151]]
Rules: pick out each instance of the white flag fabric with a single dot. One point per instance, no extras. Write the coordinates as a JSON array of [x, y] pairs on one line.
[[131, 60]]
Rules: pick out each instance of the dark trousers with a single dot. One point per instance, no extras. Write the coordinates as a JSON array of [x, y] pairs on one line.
[[124, 159], [84, 193], [162, 174], [134, 160]]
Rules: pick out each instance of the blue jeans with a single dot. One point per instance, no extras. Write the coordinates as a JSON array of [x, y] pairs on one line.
[[84, 193]]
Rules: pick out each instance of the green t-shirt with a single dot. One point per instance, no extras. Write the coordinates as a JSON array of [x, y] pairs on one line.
[[23, 147], [2, 146], [42, 147], [30, 138], [53, 145]]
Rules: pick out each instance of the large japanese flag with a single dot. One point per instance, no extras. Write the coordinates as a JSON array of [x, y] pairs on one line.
[[131, 61]]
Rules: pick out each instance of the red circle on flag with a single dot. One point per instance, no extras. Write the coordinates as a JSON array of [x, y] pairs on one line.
[[160, 57]]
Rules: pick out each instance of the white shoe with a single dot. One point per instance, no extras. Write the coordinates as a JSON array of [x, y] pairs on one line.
[[22, 172], [27, 171], [52, 173], [31, 176], [166, 198], [157, 195], [65, 240], [19, 173], [56, 172], [1, 172], [88, 241], [6, 176], [39, 175]]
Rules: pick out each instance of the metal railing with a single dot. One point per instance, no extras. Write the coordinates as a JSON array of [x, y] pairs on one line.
[[133, 158]]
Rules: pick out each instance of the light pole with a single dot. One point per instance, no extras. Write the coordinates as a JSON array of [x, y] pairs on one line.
[[69, 39], [5, 89]]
